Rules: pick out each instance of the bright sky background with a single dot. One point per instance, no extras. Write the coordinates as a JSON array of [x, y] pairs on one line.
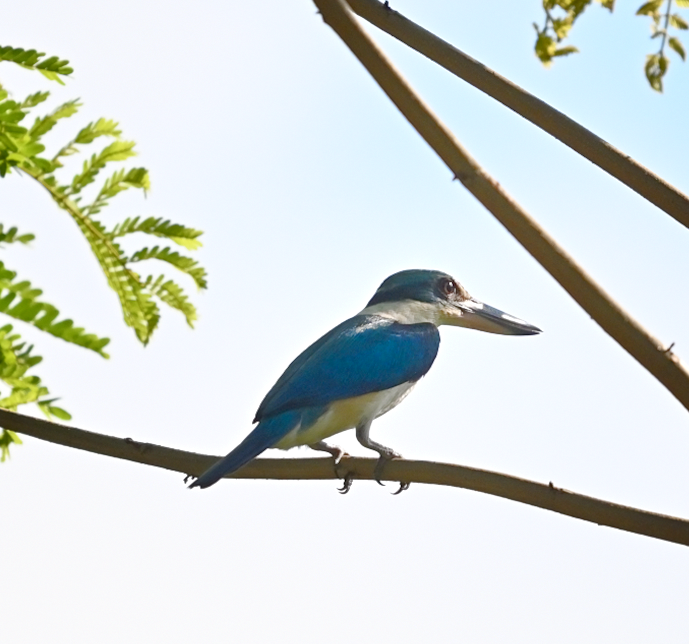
[[260, 128]]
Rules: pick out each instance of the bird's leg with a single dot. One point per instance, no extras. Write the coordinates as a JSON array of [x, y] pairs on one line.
[[337, 453], [386, 454]]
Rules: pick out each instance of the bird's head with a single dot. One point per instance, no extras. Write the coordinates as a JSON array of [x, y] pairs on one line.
[[415, 296]]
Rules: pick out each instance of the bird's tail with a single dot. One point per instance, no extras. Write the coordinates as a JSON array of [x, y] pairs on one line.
[[265, 435]]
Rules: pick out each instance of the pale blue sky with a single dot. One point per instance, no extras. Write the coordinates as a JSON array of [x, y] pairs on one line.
[[260, 128]]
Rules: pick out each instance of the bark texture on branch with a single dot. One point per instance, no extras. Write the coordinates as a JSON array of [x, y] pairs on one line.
[[543, 496], [564, 129]]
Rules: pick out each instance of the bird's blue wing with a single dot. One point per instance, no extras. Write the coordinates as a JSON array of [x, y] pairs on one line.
[[364, 354]]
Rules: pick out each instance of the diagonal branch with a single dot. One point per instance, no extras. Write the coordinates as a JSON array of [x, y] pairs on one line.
[[646, 349], [547, 497], [563, 128]]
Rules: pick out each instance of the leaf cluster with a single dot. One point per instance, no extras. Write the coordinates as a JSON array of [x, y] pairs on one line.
[[52, 68], [16, 359], [22, 148], [661, 22], [560, 16]]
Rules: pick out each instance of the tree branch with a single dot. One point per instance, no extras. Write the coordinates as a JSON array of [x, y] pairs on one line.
[[547, 497], [646, 349], [563, 128]]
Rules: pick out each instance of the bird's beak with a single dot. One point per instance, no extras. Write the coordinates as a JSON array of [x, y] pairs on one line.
[[477, 315]]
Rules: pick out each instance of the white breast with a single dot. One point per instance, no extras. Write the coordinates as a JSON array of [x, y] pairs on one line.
[[347, 414]]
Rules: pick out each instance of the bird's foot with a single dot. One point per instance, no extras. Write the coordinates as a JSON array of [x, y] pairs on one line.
[[189, 476], [380, 466], [346, 483], [347, 477], [385, 456]]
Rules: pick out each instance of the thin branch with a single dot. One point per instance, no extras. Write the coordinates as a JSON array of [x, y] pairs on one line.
[[569, 132], [646, 349], [547, 497], [666, 26]]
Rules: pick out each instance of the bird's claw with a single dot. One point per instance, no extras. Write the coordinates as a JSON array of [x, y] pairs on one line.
[[403, 486], [187, 477], [380, 465], [346, 483], [348, 477], [378, 471]]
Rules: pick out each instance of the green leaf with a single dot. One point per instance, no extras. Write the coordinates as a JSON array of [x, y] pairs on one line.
[[52, 68], [7, 437], [43, 125], [88, 134], [565, 51], [10, 236], [102, 127], [121, 180], [34, 99], [137, 297], [173, 296], [20, 300], [655, 68], [185, 264], [140, 312], [678, 22], [545, 48], [562, 26], [186, 237], [51, 411], [116, 151], [15, 361], [649, 8], [677, 46], [682, 3]]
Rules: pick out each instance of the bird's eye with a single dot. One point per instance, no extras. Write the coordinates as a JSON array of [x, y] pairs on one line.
[[449, 287]]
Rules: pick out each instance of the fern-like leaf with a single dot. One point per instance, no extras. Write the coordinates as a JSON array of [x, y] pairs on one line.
[[20, 300], [88, 134], [34, 99], [185, 264], [140, 312], [121, 180], [52, 68], [21, 147], [173, 296], [186, 237], [116, 151], [44, 124]]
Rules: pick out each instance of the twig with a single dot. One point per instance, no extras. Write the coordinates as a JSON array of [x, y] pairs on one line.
[[646, 349], [547, 497], [569, 132]]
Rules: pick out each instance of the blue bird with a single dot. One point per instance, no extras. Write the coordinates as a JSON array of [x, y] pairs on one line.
[[363, 368]]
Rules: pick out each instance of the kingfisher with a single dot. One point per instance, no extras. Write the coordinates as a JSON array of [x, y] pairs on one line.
[[363, 368]]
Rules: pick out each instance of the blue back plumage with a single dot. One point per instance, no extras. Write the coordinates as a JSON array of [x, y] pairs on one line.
[[364, 354]]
